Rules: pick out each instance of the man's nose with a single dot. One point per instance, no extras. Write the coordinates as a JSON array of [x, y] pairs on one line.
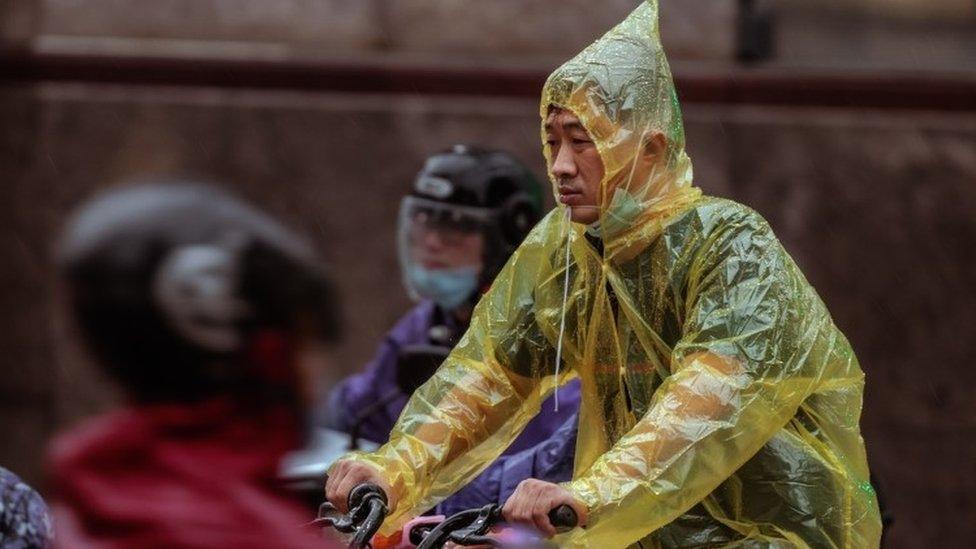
[[432, 240], [564, 164]]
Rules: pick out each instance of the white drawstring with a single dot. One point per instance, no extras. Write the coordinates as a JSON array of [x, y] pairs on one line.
[[562, 319]]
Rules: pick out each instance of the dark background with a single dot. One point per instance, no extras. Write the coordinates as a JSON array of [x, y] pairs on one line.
[[854, 133]]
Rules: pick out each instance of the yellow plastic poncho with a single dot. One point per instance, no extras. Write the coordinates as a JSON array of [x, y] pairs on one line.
[[720, 402]]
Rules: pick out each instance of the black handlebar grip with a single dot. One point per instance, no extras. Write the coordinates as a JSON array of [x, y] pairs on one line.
[[563, 518], [359, 493]]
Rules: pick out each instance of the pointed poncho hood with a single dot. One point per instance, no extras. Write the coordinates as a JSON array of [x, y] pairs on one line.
[[621, 89]]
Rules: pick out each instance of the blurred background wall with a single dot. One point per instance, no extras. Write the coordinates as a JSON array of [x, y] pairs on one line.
[[849, 124]]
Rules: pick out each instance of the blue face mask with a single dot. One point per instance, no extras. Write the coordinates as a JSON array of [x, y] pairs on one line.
[[449, 288]]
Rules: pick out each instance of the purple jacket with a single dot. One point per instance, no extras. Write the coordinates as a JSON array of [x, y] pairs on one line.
[[550, 460], [378, 381]]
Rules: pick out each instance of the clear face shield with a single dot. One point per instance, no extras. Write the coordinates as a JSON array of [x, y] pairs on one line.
[[442, 249]]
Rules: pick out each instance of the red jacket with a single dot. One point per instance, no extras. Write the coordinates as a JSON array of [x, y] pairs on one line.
[[196, 476]]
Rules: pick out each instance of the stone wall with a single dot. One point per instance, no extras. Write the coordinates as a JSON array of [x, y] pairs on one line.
[[546, 29], [877, 34], [856, 34]]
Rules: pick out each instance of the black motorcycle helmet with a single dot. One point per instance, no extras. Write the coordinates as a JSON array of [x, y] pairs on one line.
[[472, 189], [168, 282]]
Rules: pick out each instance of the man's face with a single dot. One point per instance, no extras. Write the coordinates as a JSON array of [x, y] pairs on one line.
[[575, 164]]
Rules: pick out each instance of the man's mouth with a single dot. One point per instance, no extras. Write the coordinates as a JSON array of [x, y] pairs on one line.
[[570, 196]]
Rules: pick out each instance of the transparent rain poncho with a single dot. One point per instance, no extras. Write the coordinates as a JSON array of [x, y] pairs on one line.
[[720, 403]]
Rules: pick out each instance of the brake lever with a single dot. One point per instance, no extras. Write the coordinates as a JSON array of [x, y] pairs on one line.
[[340, 522], [476, 541], [368, 504], [437, 536], [475, 533]]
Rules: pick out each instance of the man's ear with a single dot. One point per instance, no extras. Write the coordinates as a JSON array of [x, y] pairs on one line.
[[655, 147]]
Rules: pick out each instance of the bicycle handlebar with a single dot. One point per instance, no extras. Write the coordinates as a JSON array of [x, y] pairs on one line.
[[563, 518], [367, 510], [364, 492], [368, 505], [471, 527]]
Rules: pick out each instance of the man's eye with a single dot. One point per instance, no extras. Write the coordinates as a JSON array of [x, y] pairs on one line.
[[580, 141], [551, 142]]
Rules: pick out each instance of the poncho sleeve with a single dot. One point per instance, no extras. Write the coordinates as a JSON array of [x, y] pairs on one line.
[[481, 397]]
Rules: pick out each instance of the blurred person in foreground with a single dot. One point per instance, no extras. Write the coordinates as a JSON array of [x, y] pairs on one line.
[[24, 519], [720, 403], [468, 210], [213, 319]]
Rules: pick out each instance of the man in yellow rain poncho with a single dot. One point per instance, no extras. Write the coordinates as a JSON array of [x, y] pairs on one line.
[[720, 403]]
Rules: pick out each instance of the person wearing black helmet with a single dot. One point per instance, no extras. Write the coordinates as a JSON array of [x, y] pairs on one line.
[[468, 211], [212, 318], [469, 208]]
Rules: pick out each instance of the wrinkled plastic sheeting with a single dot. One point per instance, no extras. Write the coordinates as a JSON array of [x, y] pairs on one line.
[[720, 402]]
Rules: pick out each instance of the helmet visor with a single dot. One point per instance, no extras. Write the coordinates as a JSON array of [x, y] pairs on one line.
[[441, 248]]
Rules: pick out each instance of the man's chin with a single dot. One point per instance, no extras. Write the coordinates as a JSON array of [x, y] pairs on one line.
[[584, 215]]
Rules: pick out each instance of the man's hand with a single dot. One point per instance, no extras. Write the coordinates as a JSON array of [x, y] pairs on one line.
[[346, 475], [533, 499]]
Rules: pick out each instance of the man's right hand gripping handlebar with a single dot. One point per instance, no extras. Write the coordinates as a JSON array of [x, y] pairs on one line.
[[547, 507], [346, 475]]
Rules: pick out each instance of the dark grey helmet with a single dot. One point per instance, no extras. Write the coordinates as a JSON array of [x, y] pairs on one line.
[[167, 283]]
